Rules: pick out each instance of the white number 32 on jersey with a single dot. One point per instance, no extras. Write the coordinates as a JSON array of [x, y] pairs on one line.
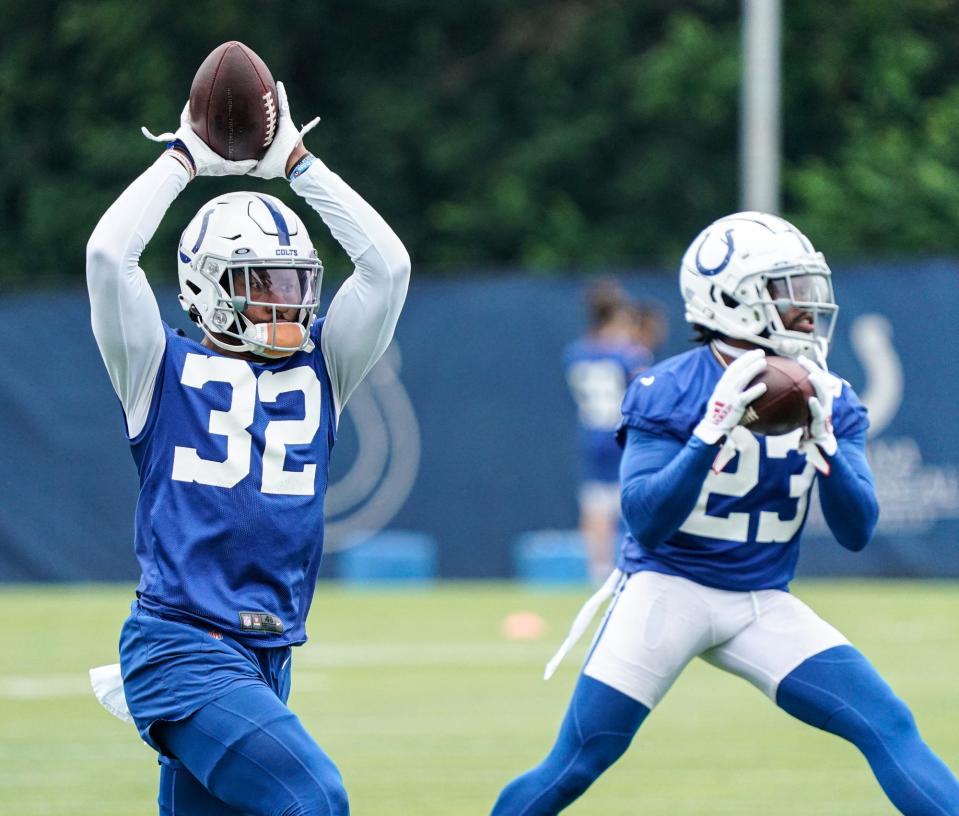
[[189, 466]]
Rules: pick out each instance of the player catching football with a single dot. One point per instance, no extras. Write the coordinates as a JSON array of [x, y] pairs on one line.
[[232, 437], [715, 513]]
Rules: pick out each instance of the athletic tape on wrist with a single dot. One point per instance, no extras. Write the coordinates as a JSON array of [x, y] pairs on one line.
[[302, 166]]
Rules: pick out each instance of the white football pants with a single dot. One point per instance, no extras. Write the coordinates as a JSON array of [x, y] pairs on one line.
[[657, 623]]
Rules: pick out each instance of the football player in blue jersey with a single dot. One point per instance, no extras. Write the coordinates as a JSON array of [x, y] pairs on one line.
[[231, 436], [715, 514], [599, 366]]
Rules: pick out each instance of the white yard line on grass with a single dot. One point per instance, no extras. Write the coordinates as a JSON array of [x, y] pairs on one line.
[[453, 653], [43, 686], [318, 656]]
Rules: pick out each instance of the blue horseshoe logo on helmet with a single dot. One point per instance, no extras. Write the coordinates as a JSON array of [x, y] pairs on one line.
[[709, 271]]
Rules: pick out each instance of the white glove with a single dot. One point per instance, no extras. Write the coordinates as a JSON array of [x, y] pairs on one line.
[[273, 164], [731, 397], [205, 161], [819, 437]]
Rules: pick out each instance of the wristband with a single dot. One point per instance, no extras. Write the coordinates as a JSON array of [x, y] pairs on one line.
[[301, 166], [183, 161], [181, 153]]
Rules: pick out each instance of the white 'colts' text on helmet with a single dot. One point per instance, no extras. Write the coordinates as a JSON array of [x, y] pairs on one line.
[[249, 275], [755, 277]]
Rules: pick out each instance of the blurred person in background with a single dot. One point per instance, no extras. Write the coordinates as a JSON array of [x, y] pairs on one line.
[[599, 366], [232, 437], [651, 327]]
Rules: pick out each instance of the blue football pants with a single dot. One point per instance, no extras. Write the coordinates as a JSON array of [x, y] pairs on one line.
[[599, 725], [246, 753], [837, 690]]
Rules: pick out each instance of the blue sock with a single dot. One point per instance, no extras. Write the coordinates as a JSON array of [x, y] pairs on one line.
[[839, 691], [599, 725]]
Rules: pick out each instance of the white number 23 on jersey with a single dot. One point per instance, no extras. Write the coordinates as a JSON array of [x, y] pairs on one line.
[[771, 528], [189, 466]]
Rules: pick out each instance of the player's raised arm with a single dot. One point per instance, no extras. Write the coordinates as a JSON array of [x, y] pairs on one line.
[[124, 313], [362, 316], [123, 309]]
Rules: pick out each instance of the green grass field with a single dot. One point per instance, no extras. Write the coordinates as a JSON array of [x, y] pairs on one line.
[[427, 709]]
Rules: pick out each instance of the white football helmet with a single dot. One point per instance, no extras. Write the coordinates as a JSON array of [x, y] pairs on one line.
[[248, 254], [755, 277]]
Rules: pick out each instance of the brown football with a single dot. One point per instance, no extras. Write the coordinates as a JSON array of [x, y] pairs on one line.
[[233, 104], [785, 405]]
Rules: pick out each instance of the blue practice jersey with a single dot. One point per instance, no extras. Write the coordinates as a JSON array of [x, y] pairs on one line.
[[743, 533], [233, 464], [598, 374]]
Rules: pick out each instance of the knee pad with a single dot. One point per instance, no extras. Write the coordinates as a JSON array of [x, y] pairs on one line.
[[599, 725], [890, 721], [598, 728], [323, 795], [592, 757], [339, 802], [839, 691], [324, 800]]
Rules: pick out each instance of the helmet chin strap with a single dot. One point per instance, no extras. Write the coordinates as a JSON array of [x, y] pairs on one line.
[[790, 348], [288, 339], [727, 350], [815, 348]]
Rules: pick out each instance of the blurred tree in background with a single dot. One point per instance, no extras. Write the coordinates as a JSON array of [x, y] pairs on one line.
[[871, 124], [496, 134]]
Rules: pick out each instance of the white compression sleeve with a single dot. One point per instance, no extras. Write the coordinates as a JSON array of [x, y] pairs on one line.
[[363, 314], [123, 309]]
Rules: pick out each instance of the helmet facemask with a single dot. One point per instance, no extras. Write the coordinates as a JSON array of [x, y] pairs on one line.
[[257, 302], [799, 296], [791, 311]]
